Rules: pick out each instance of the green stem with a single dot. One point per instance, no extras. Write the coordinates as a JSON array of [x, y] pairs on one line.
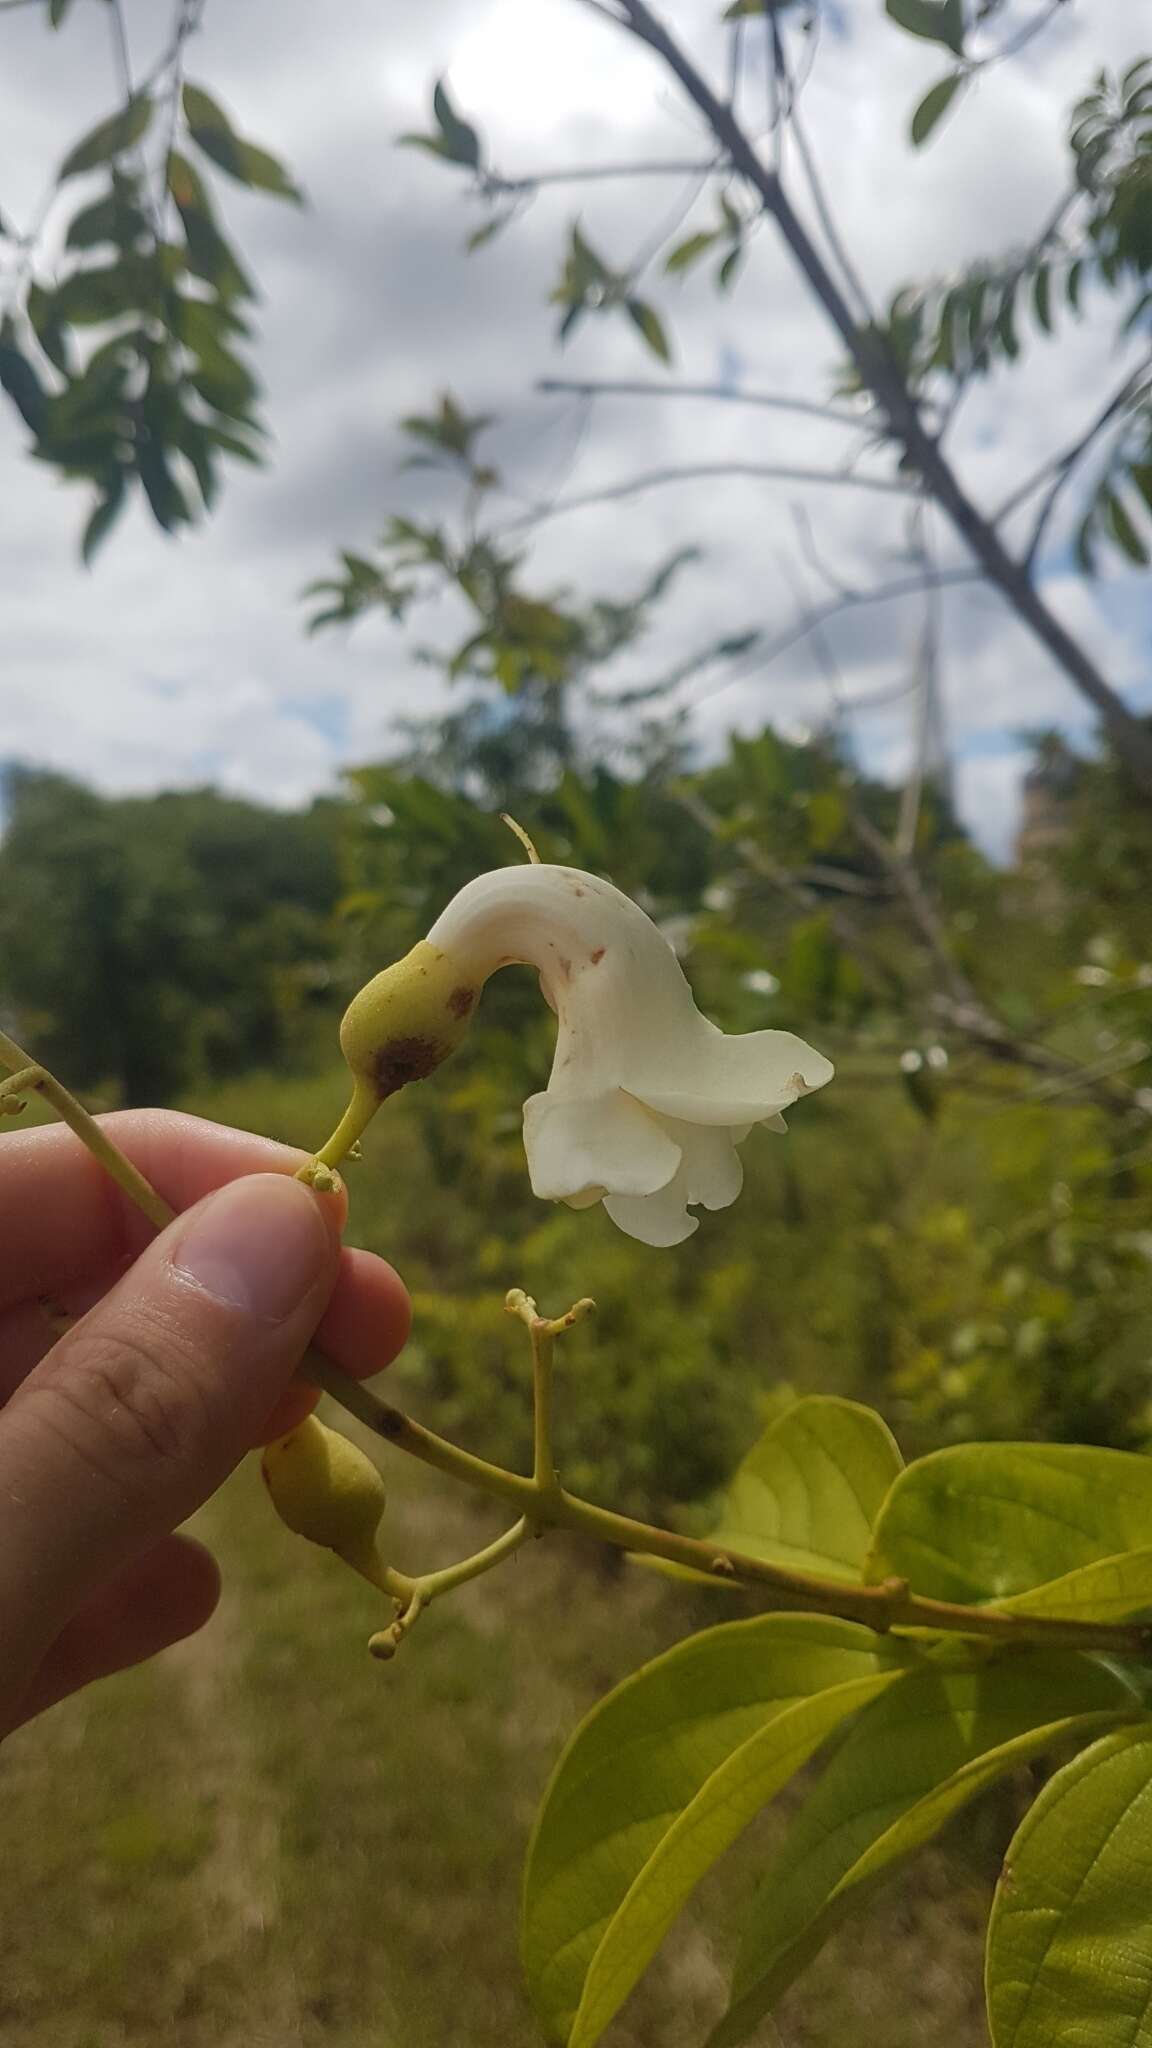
[[35, 1079], [350, 1129], [883, 1607], [543, 1459], [430, 1584]]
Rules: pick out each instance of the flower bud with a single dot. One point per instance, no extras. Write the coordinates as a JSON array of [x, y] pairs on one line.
[[407, 1019], [326, 1489]]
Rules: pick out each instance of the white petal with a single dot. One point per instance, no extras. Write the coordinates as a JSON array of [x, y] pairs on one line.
[[659, 1219], [743, 1080], [712, 1166], [710, 1173], [595, 1142]]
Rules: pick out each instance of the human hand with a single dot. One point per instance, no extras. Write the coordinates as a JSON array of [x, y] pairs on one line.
[[114, 1432]]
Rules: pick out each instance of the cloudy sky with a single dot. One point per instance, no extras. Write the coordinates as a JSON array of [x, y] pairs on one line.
[[176, 662]]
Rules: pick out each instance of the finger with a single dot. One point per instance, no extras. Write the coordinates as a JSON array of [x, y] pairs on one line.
[[364, 1327], [96, 1228], [156, 1600], [140, 1411]]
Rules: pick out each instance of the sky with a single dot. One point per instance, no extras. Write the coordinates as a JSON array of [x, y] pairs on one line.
[[177, 662]]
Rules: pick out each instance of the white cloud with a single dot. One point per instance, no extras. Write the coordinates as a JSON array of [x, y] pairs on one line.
[[173, 662]]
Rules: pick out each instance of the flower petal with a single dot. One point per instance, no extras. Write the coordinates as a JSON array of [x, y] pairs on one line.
[[596, 1142], [742, 1080], [711, 1172], [712, 1167], [659, 1219]]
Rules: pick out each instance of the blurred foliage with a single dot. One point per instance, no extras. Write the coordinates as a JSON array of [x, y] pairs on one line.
[[145, 940], [122, 342], [943, 1231]]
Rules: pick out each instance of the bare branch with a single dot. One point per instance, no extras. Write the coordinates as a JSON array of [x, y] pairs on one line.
[[1060, 467], [697, 472], [641, 387], [586, 174], [812, 621], [882, 374]]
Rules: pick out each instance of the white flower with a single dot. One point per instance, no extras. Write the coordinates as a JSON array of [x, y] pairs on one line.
[[647, 1100]]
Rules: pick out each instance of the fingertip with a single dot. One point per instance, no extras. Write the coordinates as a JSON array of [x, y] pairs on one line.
[[369, 1316]]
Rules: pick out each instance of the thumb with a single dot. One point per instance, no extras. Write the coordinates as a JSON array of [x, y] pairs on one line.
[[144, 1407]]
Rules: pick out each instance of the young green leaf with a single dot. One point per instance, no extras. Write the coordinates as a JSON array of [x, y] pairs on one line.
[[20, 381], [986, 1521], [1069, 1954], [726, 275], [1112, 1589], [1118, 523], [934, 106], [915, 1756], [461, 143], [938, 21], [1042, 298], [212, 132], [639, 1761], [648, 322], [109, 138], [686, 253], [103, 518], [808, 1494]]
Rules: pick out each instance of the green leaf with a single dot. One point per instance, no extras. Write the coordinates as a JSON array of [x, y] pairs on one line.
[[169, 505], [1075, 274], [648, 322], [111, 219], [461, 143], [938, 21], [934, 106], [487, 231], [211, 257], [987, 1521], [20, 381], [685, 254], [1069, 1955], [1118, 523], [638, 1763], [726, 275], [90, 297], [808, 1494], [1112, 1589], [915, 1756], [1141, 475], [109, 139], [212, 131], [57, 9], [103, 519]]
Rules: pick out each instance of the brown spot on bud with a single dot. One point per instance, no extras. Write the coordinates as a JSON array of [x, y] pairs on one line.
[[564, 967], [598, 955], [461, 1000], [401, 1060]]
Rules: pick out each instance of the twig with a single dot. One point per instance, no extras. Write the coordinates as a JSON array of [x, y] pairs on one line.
[[698, 472], [640, 387], [907, 586], [882, 374]]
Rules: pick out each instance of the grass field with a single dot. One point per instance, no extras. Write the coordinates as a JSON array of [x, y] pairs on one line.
[[267, 1840]]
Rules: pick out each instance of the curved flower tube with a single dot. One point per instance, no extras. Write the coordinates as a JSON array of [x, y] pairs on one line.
[[647, 1100]]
